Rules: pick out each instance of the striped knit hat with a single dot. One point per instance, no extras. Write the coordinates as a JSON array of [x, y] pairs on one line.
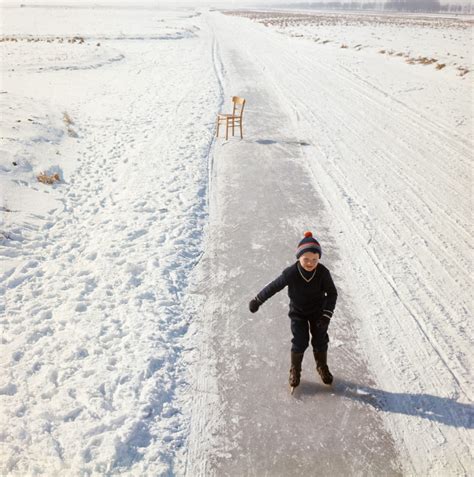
[[308, 244]]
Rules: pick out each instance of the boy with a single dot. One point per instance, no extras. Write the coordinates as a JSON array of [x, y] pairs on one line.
[[312, 301]]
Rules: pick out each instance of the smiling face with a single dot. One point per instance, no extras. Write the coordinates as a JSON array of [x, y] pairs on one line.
[[309, 261]]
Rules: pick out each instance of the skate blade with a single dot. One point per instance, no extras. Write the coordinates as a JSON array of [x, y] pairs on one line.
[[292, 389]]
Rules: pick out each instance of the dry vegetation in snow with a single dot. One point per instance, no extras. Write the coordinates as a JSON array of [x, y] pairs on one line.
[[370, 30]]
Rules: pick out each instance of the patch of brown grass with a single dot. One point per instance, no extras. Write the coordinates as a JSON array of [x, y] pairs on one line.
[[344, 46], [426, 61], [48, 179], [67, 119], [32, 39], [440, 66], [78, 39], [69, 122], [421, 60]]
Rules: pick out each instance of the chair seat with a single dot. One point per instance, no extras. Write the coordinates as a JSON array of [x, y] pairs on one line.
[[222, 115]]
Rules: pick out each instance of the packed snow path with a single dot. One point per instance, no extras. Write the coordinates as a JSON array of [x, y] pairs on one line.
[[107, 366], [385, 183]]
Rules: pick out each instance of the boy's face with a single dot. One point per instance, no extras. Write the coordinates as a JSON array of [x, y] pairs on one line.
[[309, 261]]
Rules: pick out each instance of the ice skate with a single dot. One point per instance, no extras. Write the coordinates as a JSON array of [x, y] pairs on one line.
[[322, 367], [295, 371]]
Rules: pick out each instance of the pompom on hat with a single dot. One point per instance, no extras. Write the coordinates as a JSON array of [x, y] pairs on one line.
[[308, 244]]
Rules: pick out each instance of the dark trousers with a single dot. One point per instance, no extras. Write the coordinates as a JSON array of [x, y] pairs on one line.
[[301, 329]]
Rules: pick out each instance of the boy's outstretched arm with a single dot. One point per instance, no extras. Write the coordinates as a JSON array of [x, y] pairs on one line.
[[331, 298], [274, 287]]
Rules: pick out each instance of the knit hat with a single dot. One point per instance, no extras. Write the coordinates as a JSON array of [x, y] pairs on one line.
[[308, 244]]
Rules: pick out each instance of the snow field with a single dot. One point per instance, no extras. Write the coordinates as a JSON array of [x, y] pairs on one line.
[[435, 40], [101, 21], [95, 285]]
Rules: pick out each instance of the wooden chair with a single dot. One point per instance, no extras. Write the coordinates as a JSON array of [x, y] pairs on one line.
[[234, 119]]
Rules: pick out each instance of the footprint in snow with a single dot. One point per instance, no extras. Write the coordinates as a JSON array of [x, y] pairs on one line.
[[17, 356], [81, 307], [136, 234], [8, 389], [38, 334], [46, 315]]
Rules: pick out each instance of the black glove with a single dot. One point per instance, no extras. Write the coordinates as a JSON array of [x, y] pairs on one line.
[[323, 322], [254, 305]]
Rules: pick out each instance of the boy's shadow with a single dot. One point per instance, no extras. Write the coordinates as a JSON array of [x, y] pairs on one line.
[[434, 408]]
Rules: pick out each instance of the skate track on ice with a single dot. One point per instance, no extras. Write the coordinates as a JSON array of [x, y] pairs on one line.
[[330, 147]]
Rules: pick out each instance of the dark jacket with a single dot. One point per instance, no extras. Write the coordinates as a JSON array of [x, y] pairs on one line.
[[308, 300]]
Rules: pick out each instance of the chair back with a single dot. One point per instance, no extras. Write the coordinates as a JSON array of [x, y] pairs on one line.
[[239, 104]]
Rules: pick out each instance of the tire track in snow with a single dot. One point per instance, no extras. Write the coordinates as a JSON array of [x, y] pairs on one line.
[[219, 75], [416, 117], [414, 181], [203, 379]]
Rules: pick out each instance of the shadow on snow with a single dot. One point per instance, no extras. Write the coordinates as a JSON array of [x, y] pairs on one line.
[[266, 142], [438, 409]]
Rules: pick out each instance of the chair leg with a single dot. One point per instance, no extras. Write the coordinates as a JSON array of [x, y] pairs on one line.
[[233, 124], [217, 129], [227, 129], [241, 134]]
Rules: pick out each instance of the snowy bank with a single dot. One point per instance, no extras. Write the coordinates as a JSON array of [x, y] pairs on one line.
[[96, 265]]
